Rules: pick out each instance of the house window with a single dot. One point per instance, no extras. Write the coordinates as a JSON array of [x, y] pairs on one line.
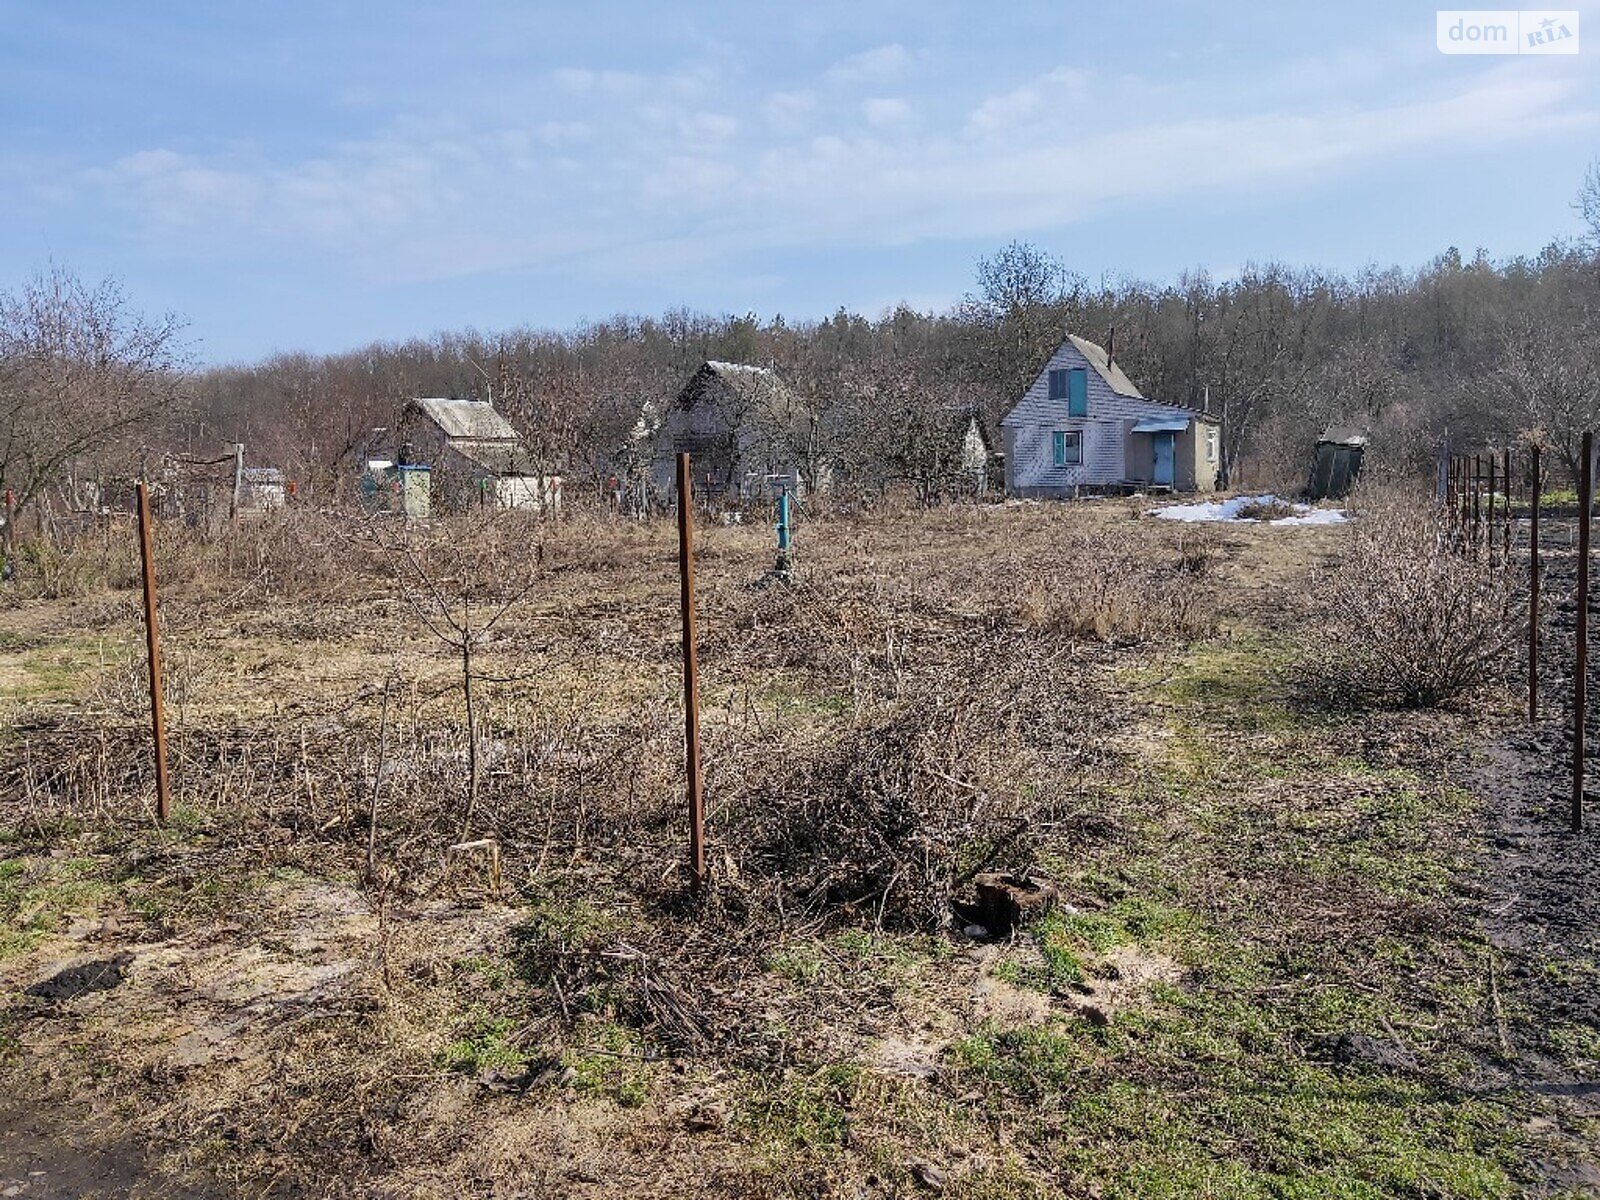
[[1067, 447], [1211, 444], [1058, 383], [1078, 392]]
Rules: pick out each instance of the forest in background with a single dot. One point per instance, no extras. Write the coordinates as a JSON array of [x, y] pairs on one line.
[[1482, 351]]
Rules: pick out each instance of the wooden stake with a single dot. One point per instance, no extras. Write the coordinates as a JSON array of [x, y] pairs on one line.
[[153, 646], [691, 677]]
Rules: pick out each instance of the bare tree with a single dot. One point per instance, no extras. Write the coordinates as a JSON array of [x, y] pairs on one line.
[[80, 372], [461, 579], [1020, 312], [1589, 201], [1550, 373]]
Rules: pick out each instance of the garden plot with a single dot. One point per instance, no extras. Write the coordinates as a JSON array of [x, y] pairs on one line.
[[1274, 929]]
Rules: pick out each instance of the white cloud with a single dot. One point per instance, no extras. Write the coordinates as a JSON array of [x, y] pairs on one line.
[[885, 112], [1065, 86], [564, 133], [872, 66], [584, 81], [787, 112], [710, 126], [641, 175]]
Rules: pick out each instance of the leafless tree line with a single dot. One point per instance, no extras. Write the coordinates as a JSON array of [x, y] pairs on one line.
[[1477, 349]]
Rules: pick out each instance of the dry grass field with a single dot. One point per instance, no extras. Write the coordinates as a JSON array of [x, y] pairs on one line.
[[1283, 964]]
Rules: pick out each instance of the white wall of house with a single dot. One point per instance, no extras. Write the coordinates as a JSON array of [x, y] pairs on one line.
[[540, 493]]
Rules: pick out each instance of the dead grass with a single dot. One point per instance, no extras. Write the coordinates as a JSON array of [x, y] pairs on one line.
[[948, 692]]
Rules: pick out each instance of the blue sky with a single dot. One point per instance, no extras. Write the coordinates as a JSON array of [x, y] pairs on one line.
[[320, 175]]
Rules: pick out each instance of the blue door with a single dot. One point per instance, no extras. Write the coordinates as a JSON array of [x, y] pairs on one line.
[[1163, 467]]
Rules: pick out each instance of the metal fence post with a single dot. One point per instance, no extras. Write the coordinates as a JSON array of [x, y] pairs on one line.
[[691, 676], [1477, 502], [1580, 674], [1488, 500], [1506, 476], [153, 647], [1533, 587]]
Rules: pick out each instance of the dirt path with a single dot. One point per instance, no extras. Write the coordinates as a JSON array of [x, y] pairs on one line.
[[48, 1154], [1541, 905], [1541, 917]]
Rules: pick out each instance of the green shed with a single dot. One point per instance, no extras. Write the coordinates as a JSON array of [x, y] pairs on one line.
[[1337, 463]]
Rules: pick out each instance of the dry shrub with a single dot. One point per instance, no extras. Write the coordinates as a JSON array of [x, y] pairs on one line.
[[71, 566], [1405, 620], [955, 776], [1116, 586]]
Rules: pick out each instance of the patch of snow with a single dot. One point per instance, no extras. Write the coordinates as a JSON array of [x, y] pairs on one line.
[[1314, 516], [1228, 511]]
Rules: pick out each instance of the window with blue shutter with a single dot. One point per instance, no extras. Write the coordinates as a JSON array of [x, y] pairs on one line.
[[1058, 383], [1077, 392]]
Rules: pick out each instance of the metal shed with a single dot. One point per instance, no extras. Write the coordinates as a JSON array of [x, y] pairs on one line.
[[1337, 463]]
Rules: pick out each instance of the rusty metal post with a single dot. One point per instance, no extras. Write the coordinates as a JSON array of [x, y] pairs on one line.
[[1477, 502], [1505, 474], [1488, 525], [153, 646], [1459, 499], [1455, 492], [1453, 500], [1580, 672], [1533, 586], [691, 676]]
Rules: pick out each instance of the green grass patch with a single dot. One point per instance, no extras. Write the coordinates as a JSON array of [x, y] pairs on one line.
[[610, 1061], [1209, 1095], [486, 1044], [799, 962], [39, 895], [803, 1110]]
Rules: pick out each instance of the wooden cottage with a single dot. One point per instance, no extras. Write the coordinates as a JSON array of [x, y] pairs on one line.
[[1084, 427], [746, 431], [476, 456]]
